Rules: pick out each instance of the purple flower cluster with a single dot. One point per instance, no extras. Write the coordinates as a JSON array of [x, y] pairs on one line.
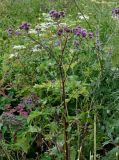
[[56, 15], [82, 32], [78, 31], [31, 100], [19, 110], [115, 11], [67, 30], [59, 32], [24, 26], [64, 30], [22, 108], [90, 35], [12, 32]]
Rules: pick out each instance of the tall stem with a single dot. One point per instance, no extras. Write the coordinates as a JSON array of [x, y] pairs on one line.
[[66, 136], [95, 137]]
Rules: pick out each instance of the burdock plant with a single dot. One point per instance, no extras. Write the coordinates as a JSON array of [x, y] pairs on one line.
[[68, 40]]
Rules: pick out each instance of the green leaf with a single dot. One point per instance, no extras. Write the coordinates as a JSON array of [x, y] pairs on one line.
[[34, 129], [23, 142], [33, 115]]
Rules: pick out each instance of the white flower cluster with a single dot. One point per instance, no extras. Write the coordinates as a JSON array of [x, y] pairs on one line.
[[13, 55], [32, 31], [36, 48], [18, 47], [82, 17]]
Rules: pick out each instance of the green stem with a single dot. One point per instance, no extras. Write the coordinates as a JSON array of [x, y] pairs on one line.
[[78, 143], [117, 156]]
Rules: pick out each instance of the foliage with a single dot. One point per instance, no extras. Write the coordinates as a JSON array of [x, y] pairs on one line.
[[59, 94]]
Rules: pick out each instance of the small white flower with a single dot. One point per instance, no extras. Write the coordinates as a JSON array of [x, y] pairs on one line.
[[63, 24], [43, 29], [13, 55], [36, 48], [115, 17], [114, 69], [19, 47], [32, 31], [46, 25], [82, 16]]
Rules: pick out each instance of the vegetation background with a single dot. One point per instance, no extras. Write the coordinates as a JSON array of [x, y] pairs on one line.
[[92, 85]]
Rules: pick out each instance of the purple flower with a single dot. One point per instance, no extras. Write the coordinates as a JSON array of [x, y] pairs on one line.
[[84, 33], [77, 31], [57, 43], [21, 26], [29, 100], [62, 14], [90, 35], [17, 33], [66, 29], [19, 108], [24, 114], [56, 15], [24, 26], [59, 32], [46, 46], [51, 12], [115, 11]]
